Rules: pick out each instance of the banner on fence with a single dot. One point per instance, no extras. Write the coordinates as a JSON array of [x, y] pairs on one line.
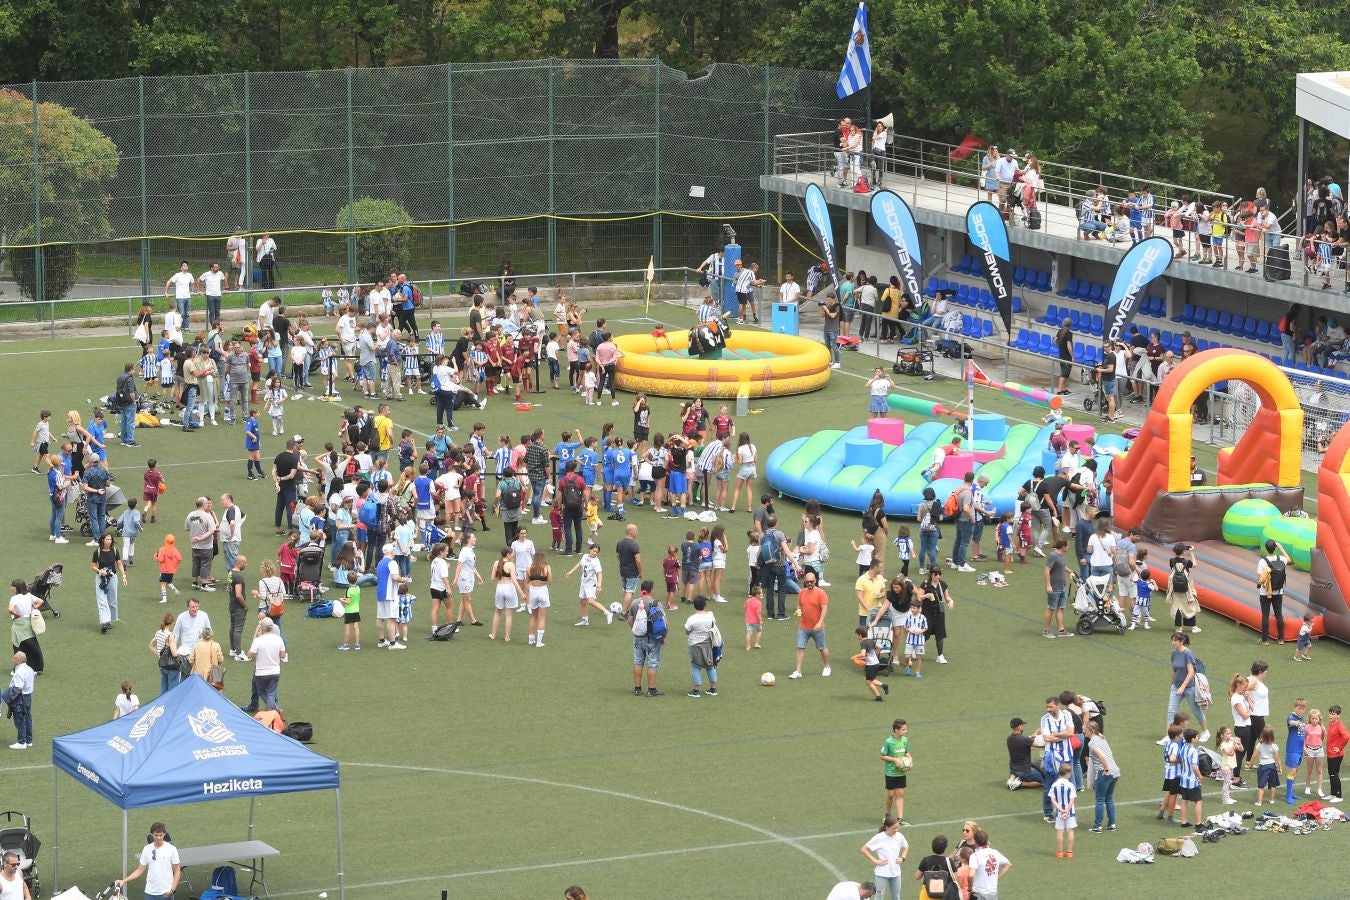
[[818, 214], [895, 223], [1144, 262]]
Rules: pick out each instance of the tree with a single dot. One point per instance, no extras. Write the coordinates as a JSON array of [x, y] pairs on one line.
[[76, 163], [381, 236]]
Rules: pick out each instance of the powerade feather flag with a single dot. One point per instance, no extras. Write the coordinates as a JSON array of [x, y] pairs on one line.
[[857, 71], [985, 227], [1144, 262], [895, 222], [818, 214]]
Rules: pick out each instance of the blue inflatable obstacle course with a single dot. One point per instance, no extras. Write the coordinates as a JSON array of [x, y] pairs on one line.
[[842, 469]]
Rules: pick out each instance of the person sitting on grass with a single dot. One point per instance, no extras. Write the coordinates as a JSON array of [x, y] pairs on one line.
[[1021, 773]]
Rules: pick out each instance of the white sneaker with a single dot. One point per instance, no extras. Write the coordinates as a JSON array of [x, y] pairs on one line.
[[1229, 802], [1204, 736], [1335, 799], [834, 365], [825, 672], [942, 660], [531, 641], [718, 598], [1195, 630], [92, 544], [614, 403], [966, 568], [18, 746], [397, 646], [824, 584], [1307, 791], [1161, 742], [1038, 551], [583, 623], [539, 643], [539, 520], [609, 617], [795, 675], [60, 540]]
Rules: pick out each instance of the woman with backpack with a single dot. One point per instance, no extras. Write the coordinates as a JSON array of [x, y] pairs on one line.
[[1181, 589], [875, 526], [1185, 669]]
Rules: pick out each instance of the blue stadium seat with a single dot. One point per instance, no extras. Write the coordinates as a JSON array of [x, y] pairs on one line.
[[1097, 325], [1201, 345], [1235, 327], [1051, 316], [1075, 319], [1225, 323], [1165, 338], [932, 287], [963, 294], [1043, 282], [1046, 345], [1023, 335], [964, 265], [1095, 294], [1019, 275], [987, 328], [1070, 291], [1187, 312], [1017, 306], [1249, 329], [1263, 331], [986, 300], [1079, 351], [1211, 320]]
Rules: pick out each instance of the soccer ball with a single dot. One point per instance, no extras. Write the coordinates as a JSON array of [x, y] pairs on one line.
[[767, 679], [906, 763], [616, 607]]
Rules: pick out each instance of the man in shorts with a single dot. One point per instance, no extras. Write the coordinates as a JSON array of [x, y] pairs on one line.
[[1056, 589], [630, 564], [814, 604], [646, 649]]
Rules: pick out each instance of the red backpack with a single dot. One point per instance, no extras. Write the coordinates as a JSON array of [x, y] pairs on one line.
[[416, 297]]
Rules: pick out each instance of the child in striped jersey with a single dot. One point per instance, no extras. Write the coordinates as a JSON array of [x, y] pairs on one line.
[[1063, 797]]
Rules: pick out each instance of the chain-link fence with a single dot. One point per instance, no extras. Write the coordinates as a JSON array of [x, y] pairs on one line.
[[557, 164]]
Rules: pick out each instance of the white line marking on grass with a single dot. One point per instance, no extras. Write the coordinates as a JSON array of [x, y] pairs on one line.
[[772, 835]]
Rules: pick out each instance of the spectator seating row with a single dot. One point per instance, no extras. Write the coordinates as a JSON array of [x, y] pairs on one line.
[[1032, 279], [968, 295], [1234, 324]]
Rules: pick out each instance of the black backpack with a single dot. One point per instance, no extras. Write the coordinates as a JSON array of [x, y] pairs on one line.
[[511, 491], [300, 731], [1277, 574], [1180, 582], [444, 632], [572, 493]]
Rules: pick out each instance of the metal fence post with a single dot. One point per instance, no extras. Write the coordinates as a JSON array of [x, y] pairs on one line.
[[145, 212], [351, 187], [552, 207], [450, 230], [656, 167], [764, 237], [247, 273], [39, 280]]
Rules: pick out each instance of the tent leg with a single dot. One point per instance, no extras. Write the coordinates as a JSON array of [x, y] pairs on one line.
[[56, 838], [342, 884], [122, 866], [251, 801]]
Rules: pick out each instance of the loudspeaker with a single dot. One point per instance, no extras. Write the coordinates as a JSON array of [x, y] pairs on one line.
[[888, 120]]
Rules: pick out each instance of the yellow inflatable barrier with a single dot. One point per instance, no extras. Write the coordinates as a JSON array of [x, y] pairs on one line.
[[760, 363]]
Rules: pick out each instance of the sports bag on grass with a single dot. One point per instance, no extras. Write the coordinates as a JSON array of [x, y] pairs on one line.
[[444, 632]]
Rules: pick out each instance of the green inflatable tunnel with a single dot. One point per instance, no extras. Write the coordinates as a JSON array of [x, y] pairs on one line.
[[1245, 522]]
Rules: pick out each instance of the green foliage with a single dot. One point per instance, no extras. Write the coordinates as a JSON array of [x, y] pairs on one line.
[[382, 243], [77, 160]]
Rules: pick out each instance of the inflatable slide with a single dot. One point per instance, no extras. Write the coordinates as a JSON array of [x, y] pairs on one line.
[[1258, 495]]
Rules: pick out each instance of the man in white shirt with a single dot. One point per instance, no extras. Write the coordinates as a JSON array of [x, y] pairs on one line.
[[159, 862], [182, 283], [852, 890], [214, 283], [1005, 170], [790, 290], [380, 301], [266, 313], [188, 629], [987, 866], [20, 700], [173, 324], [232, 520], [268, 652], [714, 267], [265, 252]]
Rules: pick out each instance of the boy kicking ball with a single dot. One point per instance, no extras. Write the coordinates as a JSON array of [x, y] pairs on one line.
[[1063, 798]]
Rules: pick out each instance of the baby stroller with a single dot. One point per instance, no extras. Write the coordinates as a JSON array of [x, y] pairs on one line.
[[951, 343], [309, 584], [115, 499], [22, 841], [881, 633], [41, 587], [1094, 603]]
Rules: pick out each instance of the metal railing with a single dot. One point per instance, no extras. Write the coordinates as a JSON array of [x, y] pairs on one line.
[[672, 282]]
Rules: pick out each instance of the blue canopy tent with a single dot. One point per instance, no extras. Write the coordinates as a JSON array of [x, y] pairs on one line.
[[190, 745]]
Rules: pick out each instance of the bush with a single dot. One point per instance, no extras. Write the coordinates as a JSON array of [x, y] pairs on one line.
[[60, 270], [382, 236]]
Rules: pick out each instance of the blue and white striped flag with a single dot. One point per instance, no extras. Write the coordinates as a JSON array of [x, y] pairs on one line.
[[857, 72]]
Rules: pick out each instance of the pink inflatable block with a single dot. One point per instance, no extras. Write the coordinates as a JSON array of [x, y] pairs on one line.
[[984, 456], [888, 431], [1079, 433], [957, 465]]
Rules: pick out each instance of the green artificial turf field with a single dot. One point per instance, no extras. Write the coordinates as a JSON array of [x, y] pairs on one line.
[[485, 769]]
